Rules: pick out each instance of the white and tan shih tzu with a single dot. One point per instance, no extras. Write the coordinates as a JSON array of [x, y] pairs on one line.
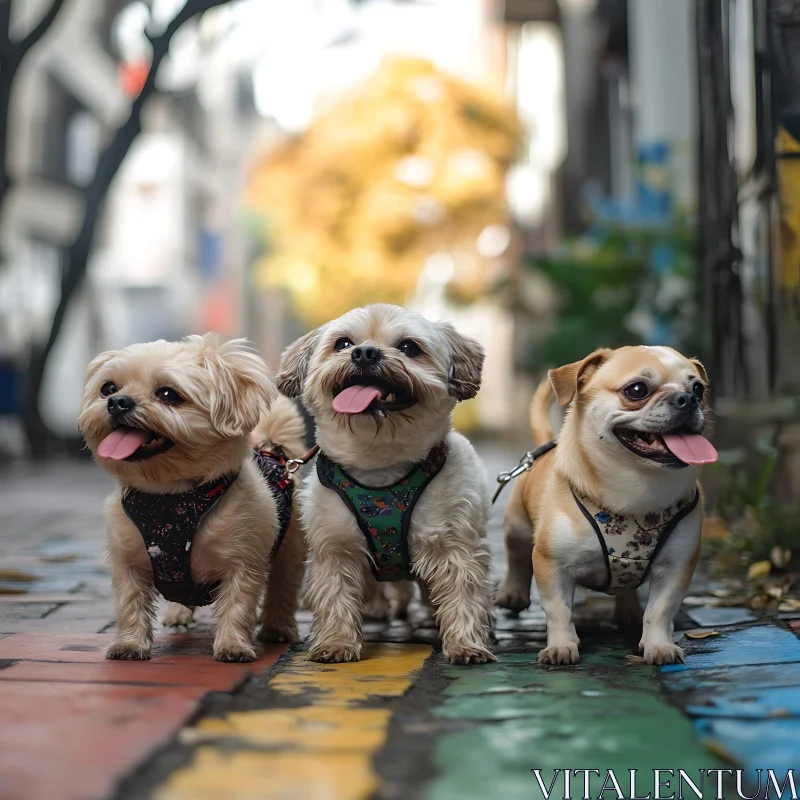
[[196, 514], [396, 489]]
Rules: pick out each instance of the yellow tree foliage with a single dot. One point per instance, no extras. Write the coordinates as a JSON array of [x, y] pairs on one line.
[[411, 163]]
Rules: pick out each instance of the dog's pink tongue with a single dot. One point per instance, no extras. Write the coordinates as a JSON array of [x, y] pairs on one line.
[[120, 444], [355, 399], [691, 448]]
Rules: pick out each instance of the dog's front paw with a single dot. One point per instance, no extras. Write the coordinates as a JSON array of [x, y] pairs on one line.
[[663, 654], [560, 654], [280, 633], [178, 616], [121, 651], [325, 653], [469, 653], [234, 653], [514, 598]]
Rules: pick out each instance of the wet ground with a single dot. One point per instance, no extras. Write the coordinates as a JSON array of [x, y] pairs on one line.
[[402, 723]]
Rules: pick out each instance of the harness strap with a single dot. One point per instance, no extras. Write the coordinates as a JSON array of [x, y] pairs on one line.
[[276, 474], [383, 513], [638, 568], [167, 524]]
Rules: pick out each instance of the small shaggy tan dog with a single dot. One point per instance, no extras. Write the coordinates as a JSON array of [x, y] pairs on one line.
[[192, 516], [382, 383]]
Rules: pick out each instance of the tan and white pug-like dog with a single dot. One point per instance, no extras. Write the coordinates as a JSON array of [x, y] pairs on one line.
[[382, 383], [617, 500], [173, 420]]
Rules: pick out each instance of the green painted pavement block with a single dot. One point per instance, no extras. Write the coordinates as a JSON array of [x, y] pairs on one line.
[[517, 715]]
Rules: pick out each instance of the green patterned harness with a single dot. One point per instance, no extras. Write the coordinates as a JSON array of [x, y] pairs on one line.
[[383, 513]]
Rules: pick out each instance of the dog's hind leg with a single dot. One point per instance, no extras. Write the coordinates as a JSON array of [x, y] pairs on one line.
[[515, 591], [628, 611], [178, 616], [278, 623], [458, 581]]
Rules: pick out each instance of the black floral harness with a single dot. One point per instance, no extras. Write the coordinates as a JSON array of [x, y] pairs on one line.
[[169, 522]]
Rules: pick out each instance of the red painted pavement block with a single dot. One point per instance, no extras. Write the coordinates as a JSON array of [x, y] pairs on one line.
[[209, 677], [90, 647], [73, 723], [74, 741]]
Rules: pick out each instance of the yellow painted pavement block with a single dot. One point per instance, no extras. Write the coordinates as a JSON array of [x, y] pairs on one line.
[[323, 750]]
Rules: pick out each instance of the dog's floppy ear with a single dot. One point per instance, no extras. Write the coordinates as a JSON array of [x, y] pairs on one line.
[[96, 364], [294, 365], [241, 386], [701, 370], [568, 380], [466, 363]]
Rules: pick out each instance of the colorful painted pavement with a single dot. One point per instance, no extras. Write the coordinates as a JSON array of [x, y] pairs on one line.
[[400, 724]]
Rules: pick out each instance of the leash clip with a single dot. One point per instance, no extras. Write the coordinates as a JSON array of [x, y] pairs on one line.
[[294, 464], [525, 464]]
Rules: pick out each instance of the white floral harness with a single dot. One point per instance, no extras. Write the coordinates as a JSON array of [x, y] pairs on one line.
[[631, 543]]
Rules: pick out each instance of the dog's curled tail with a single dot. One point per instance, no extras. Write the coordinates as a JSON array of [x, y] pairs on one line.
[[540, 413], [283, 426]]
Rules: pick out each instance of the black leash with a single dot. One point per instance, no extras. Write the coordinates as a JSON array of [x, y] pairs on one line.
[[525, 464]]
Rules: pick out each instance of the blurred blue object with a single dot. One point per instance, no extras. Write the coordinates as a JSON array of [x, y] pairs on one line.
[[11, 389], [209, 255]]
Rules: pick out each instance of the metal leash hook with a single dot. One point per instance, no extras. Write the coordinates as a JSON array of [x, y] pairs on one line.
[[525, 464], [294, 464]]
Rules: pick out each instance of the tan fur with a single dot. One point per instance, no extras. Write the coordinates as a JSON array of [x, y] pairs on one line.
[[226, 388], [542, 515]]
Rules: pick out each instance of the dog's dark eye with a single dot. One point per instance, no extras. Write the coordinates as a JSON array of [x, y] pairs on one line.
[[637, 391], [109, 388], [168, 396], [699, 390], [409, 348], [342, 344]]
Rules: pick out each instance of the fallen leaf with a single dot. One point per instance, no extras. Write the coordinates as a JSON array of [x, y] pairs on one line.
[[731, 602], [631, 659], [789, 604], [781, 712], [758, 601], [17, 575], [715, 528], [15, 590], [699, 601], [58, 559], [759, 570], [780, 557], [701, 634]]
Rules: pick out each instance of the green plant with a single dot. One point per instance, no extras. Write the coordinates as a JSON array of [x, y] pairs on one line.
[[759, 527]]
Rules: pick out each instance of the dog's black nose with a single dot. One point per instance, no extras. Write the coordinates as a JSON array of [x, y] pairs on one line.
[[366, 356], [684, 401], [119, 404]]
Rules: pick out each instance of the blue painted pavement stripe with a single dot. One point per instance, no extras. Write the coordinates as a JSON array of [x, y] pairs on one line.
[[743, 691]]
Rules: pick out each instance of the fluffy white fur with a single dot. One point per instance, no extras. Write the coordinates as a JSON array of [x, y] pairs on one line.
[[447, 541], [226, 388]]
